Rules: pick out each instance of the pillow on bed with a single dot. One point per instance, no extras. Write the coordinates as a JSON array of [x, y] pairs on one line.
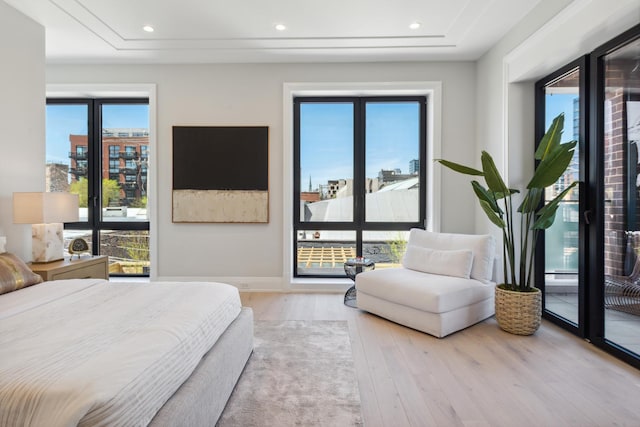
[[455, 263], [14, 274]]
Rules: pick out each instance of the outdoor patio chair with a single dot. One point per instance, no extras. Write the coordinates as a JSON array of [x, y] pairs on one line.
[[622, 293]]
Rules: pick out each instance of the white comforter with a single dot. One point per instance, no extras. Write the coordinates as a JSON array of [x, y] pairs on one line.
[[90, 352]]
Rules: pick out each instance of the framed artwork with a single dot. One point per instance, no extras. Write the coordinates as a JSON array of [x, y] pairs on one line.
[[220, 174]]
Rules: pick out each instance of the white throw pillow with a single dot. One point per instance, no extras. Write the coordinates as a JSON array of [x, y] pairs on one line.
[[482, 246], [455, 263]]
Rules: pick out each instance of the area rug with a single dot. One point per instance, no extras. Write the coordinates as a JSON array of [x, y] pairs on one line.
[[301, 373]]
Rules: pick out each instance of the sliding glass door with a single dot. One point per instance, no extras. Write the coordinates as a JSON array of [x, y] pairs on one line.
[[562, 246], [617, 126], [589, 264], [359, 180]]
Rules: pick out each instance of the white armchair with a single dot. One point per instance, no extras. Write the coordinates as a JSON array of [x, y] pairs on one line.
[[444, 285]]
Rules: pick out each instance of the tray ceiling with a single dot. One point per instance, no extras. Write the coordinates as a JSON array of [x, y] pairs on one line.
[[203, 31]]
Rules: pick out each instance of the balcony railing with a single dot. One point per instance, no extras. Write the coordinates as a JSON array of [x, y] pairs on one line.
[[78, 171], [78, 155]]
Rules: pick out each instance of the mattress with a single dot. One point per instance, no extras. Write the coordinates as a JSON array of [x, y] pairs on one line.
[[92, 352]]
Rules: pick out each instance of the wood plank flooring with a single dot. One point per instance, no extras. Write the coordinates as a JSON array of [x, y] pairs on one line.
[[480, 376]]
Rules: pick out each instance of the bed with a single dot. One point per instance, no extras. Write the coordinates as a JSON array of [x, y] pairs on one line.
[[94, 353]]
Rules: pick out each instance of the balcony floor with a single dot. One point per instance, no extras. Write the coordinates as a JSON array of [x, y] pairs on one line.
[[621, 328]]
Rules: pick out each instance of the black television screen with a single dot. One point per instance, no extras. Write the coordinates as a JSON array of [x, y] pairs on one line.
[[221, 158]]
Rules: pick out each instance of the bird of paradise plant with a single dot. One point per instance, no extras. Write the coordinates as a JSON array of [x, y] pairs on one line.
[[496, 200]]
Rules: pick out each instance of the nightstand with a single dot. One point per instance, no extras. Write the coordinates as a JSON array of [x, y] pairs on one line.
[[86, 267]]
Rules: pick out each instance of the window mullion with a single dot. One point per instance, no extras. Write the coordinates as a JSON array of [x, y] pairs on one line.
[[359, 170], [93, 174]]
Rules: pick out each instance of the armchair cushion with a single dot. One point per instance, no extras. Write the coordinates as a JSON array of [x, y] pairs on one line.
[[456, 263], [432, 293]]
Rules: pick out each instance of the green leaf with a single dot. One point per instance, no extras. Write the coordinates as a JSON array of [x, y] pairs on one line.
[[547, 214], [531, 200], [493, 217], [459, 168], [491, 174], [483, 194], [551, 138], [546, 219], [552, 166]]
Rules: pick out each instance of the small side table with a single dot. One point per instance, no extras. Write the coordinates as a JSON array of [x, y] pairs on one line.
[[95, 267], [352, 267]]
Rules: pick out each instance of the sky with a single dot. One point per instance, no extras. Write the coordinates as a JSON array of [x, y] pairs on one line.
[[326, 134], [561, 103], [71, 119]]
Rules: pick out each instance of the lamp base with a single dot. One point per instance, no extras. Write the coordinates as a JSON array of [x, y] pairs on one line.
[[47, 242]]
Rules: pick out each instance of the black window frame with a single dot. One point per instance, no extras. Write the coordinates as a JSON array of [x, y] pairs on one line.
[[94, 222], [591, 324], [582, 65], [359, 224]]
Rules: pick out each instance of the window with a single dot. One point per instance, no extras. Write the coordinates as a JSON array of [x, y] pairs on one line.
[[81, 152], [114, 151], [114, 166], [358, 180], [96, 134]]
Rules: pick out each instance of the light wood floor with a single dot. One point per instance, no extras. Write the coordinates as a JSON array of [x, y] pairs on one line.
[[480, 376]]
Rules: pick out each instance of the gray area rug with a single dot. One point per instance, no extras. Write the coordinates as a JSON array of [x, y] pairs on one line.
[[301, 373]]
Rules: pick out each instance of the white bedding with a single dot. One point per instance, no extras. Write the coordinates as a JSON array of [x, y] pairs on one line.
[[91, 352]]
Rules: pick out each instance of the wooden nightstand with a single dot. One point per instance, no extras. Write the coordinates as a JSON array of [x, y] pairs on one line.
[[86, 267]]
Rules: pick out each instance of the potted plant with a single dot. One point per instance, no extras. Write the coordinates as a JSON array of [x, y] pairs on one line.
[[518, 302]]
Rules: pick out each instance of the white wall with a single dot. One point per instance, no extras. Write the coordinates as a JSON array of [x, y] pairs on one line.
[[22, 97], [552, 35], [251, 94]]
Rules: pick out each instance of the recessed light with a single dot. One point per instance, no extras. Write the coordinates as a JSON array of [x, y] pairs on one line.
[[280, 27], [415, 25], [148, 28]]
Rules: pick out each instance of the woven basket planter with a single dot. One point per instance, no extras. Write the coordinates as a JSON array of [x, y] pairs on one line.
[[518, 312]]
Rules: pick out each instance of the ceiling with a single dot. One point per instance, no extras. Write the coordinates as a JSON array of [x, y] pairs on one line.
[[226, 31]]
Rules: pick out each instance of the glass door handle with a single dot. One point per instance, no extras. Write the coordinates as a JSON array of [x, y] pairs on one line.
[[587, 216]]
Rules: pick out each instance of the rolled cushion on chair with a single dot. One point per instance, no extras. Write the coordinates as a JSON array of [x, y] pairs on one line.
[[456, 263], [482, 246]]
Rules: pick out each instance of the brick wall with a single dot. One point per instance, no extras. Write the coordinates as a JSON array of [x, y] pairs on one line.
[[618, 80]]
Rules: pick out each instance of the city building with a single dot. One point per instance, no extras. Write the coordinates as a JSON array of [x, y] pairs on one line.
[[334, 187], [125, 158], [57, 177], [414, 167], [389, 176]]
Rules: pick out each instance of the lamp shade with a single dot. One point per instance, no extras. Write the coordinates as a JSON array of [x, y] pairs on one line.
[[44, 208]]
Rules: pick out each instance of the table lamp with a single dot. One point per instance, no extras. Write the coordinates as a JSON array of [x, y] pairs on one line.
[[45, 212]]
